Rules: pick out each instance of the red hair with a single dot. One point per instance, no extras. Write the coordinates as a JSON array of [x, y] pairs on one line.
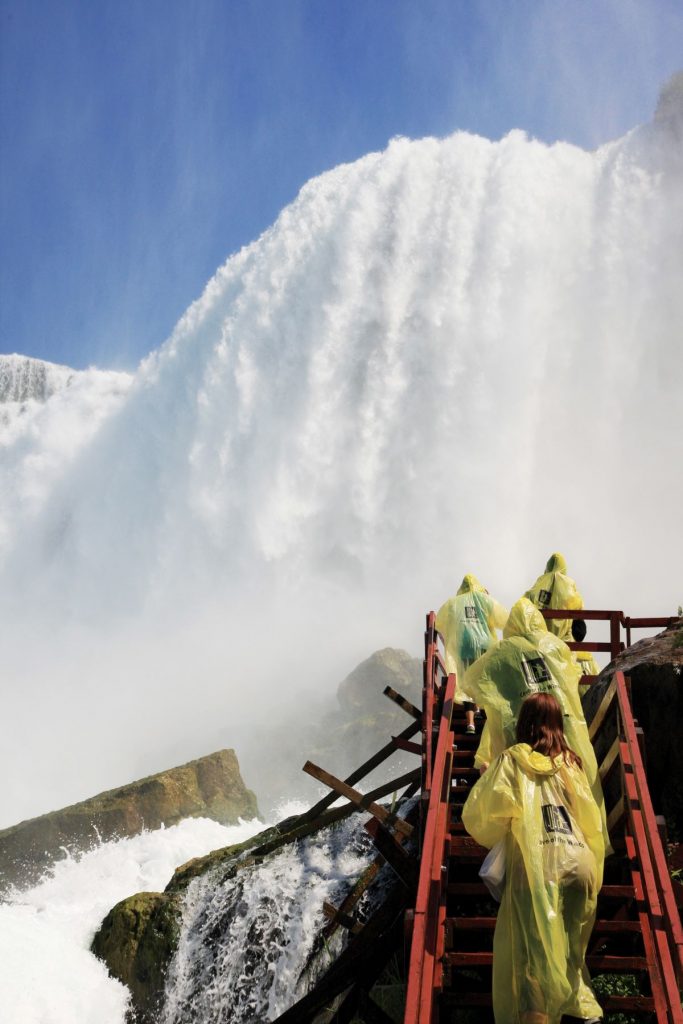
[[540, 725]]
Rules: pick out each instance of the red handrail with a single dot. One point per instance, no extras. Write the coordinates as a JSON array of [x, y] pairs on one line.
[[427, 948], [616, 619], [666, 922]]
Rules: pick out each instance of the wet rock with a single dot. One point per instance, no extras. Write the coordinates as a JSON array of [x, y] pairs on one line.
[[210, 787], [655, 668]]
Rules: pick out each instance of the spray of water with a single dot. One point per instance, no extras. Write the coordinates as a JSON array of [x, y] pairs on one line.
[[453, 355], [48, 975]]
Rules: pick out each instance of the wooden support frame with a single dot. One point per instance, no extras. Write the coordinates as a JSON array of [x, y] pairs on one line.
[[359, 799], [373, 762], [404, 866], [402, 702]]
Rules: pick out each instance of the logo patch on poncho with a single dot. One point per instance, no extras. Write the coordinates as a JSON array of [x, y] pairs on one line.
[[544, 597], [535, 672], [556, 819], [470, 611]]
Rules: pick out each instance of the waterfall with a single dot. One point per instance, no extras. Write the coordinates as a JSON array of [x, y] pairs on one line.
[[250, 943], [456, 354]]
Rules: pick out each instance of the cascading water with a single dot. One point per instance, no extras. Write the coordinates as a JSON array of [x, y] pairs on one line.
[[455, 354], [250, 943], [48, 975]]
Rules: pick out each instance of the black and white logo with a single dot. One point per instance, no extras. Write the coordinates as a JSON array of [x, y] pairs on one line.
[[535, 672], [556, 819], [544, 597], [470, 611]]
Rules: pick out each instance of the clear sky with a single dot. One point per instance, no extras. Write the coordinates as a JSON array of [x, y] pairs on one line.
[[143, 141]]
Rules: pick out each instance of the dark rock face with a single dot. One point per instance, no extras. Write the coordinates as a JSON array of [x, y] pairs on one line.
[[210, 787], [655, 668], [362, 690], [336, 732]]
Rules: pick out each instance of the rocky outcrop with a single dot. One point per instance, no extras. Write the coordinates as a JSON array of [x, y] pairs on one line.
[[210, 787], [138, 937], [655, 668], [338, 731]]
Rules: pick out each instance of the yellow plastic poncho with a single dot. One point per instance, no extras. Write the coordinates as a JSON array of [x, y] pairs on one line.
[[544, 811], [467, 623], [554, 589], [529, 660]]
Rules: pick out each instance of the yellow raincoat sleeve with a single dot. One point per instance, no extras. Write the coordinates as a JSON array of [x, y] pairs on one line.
[[498, 617], [441, 620], [484, 754], [492, 803]]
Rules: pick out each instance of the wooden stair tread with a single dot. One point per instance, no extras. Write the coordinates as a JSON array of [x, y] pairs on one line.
[[612, 1004], [612, 964]]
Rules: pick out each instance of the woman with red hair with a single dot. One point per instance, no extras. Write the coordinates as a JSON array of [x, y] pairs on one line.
[[536, 800]]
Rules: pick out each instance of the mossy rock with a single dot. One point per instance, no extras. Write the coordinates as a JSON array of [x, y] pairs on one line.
[[137, 940]]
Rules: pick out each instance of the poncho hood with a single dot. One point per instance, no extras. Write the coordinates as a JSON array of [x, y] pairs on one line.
[[533, 762], [469, 584], [556, 563], [525, 620]]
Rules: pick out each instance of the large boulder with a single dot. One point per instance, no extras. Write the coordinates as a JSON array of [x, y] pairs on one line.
[[655, 668], [210, 787], [337, 731], [362, 692]]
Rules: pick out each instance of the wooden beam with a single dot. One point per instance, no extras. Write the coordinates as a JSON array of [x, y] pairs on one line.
[[616, 814], [402, 702], [603, 708], [365, 880], [332, 913], [393, 853], [408, 746], [387, 750], [342, 789], [609, 760], [358, 964]]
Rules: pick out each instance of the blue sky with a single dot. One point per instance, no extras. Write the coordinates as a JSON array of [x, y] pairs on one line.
[[143, 141]]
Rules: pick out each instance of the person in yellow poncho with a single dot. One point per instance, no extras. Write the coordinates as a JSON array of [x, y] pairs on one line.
[[555, 590], [468, 623], [536, 798], [529, 660]]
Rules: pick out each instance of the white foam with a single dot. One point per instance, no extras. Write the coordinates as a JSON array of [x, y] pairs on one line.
[[47, 974]]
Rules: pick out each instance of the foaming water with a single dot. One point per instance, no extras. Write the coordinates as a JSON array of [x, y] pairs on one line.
[[47, 974], [250, 944], [453, 355]]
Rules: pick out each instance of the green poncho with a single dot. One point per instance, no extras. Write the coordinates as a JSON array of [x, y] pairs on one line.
[[467, 623]]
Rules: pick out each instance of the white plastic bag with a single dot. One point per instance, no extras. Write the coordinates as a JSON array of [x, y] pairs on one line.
[[492, 872]]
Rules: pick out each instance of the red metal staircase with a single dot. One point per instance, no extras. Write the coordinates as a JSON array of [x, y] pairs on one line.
[[636, 951]]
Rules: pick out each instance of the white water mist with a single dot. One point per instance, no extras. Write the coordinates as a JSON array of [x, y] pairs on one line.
[[453, 355]]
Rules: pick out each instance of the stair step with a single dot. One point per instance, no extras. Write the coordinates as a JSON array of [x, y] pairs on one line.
[[471, 924], [466, 773], [612, 1004], [466, 741], [465, 848], [616, 963], [463, 755], [610, 892], [467, 889], [478, 924], [617, 892]]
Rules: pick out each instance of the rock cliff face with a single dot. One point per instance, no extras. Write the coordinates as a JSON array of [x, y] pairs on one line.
[[210, 787], [655, 668], [338, 732]]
